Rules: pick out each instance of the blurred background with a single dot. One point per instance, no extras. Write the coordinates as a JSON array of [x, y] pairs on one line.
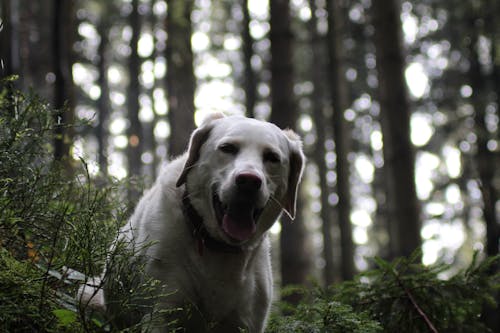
[[397, 103]]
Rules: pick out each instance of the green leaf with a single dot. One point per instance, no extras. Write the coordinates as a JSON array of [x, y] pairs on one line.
[[65, 317]]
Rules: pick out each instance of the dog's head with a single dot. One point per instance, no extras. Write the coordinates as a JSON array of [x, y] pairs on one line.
[[240, 173]]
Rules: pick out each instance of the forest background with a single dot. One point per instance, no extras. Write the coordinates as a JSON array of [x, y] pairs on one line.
[[397, 103]]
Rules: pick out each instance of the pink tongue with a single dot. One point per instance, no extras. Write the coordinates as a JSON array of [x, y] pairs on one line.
[[240, 229]]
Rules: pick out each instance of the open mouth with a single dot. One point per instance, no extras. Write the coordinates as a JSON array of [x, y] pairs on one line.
[[237, 218]]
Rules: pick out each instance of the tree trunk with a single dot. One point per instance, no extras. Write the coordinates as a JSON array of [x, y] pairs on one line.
[[340, 102], [149, 136], [9, 40], [62, 34], [249, 79], [399, 159], [485, 160], [103, 104], [318, 97], [8, 47], [6, 37], [295, 259], [180, 76], [134, 131]]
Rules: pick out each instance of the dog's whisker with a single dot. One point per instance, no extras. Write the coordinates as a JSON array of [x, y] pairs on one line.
[[189, 167], [276, 201]]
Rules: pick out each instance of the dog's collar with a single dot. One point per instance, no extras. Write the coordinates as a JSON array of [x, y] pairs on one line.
[[200, 233]]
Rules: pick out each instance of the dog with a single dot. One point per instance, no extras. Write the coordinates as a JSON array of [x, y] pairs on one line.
[[207, 217]]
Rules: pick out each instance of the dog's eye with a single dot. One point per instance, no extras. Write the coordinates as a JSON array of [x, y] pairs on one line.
[[272, 157], [229, 148]]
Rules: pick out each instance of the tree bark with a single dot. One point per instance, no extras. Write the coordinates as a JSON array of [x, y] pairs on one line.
[[485, 167], [62, 43], [103, 104], [485, 159], [150, 145], [399, 159], [6, 37], [250, 81], [340, 102], [9, 40], [318, 97], [180, 75], [134, 131], [295, 259]]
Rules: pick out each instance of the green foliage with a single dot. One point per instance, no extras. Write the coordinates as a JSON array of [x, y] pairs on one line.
[[320, 312], [402, 296], [20, 286], [52, 219], [405, 296]]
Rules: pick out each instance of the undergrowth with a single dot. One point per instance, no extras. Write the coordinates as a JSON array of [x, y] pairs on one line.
[[56, 226], [399, 296]]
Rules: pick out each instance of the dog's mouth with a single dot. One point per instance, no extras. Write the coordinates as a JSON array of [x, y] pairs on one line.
[[237, 218]]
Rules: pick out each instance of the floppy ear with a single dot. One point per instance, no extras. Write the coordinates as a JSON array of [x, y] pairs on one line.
[[198, 137], [297, 161]]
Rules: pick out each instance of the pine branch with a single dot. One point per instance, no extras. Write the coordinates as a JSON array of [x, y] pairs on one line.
[[414, 303]]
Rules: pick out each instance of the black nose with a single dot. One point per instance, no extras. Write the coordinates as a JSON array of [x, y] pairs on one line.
[[247, 181]]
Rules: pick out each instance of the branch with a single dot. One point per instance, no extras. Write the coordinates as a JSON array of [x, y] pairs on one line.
[[415, 304]]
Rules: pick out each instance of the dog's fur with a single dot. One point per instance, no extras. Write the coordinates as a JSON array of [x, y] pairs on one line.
[[239, 174]]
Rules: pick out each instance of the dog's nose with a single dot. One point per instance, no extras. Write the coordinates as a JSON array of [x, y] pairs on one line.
[[248, 181]]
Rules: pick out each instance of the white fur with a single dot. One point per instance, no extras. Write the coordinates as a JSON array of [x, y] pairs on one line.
[[232, 289]]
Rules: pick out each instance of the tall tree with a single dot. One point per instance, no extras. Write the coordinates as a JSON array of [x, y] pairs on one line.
[[9, 38], [62, 44], [340, 103], [295, 259], [134, 131], [149, 135], [485, 159], [318, 103], [103, 104], [250, 81], [399, 159], [6, 39], [8, 48], [180, 75]]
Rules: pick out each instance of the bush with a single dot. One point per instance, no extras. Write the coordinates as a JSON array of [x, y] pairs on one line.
[[51, 220], [320, 312], [402, 296], [406, 296], [20, 303]]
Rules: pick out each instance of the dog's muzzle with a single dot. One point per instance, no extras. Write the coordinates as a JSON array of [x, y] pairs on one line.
[[239, 215]]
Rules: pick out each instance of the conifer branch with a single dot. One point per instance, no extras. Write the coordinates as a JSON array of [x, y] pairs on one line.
[[415, 304]]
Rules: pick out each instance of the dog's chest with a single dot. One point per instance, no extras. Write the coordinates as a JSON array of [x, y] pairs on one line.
[[222, 291]]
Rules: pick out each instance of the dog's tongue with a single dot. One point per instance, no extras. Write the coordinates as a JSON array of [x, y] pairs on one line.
[[239, 223]]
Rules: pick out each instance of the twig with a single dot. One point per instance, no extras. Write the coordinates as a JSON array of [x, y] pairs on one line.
[[51, 258], [415, 304]]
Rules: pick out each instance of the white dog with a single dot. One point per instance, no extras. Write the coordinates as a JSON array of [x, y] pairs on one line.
[[207, 216]]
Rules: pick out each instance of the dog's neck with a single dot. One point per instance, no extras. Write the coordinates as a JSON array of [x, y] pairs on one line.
[[200, 233]]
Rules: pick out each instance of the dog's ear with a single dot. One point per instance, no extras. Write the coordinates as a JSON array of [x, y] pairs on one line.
[[198, 137], [297, 161]]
